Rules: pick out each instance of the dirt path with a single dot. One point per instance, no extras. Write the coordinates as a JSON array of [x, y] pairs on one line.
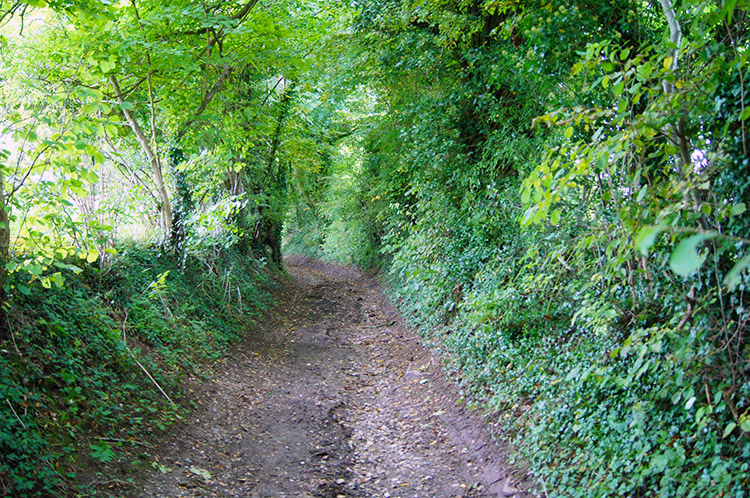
[[334, 398]]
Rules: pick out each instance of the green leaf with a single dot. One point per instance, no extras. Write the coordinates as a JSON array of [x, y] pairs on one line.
[[732, 278], [203, 473], [659, 462], [642, 193], [554, 218], [573, 374], [745, 114], [728, 429], [700, 413], [569, 132], [35, 270], [106, 66], [685, 259], [728, 9], [57, 279], [92, 255], [738, 209], [526, 195], [646, 237], [617, 88]]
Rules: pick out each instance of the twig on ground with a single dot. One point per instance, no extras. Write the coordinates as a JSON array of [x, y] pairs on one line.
[[141, 366], [16, 414], [380, 326], [544, 486], [116, 440]]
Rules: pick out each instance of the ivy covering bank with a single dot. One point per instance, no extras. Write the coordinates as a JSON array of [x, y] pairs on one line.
[[558, 193]]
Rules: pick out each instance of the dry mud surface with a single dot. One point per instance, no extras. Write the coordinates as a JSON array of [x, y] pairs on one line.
[[332, 397]]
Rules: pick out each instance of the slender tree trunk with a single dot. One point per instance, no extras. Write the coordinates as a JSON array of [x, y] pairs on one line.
[[675, 36], [4, 258], [183, 202], [165, 207]]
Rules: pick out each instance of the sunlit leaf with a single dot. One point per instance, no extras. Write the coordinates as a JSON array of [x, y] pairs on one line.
[[646, 237], [92, 255], [733, 276], [685, 259], [554, 217]]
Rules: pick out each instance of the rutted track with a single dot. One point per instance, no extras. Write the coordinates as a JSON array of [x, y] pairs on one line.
[[331, 398]]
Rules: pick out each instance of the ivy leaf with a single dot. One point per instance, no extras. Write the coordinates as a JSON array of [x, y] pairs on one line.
[[728, 429], [685, 259]]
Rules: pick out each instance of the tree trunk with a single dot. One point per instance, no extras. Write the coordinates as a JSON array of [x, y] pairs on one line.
[[269, 227], [675, 36], [4, 258], [183, 201], [165, 206]]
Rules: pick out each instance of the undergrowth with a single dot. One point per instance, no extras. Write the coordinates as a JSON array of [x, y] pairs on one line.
[[82, 374], [639, 409]]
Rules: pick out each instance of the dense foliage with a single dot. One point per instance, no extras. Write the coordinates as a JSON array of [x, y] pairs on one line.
[[558, 192], [92, 374], [170, 130]]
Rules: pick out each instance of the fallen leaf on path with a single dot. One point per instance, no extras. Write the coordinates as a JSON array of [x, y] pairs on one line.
[[203, 473]]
